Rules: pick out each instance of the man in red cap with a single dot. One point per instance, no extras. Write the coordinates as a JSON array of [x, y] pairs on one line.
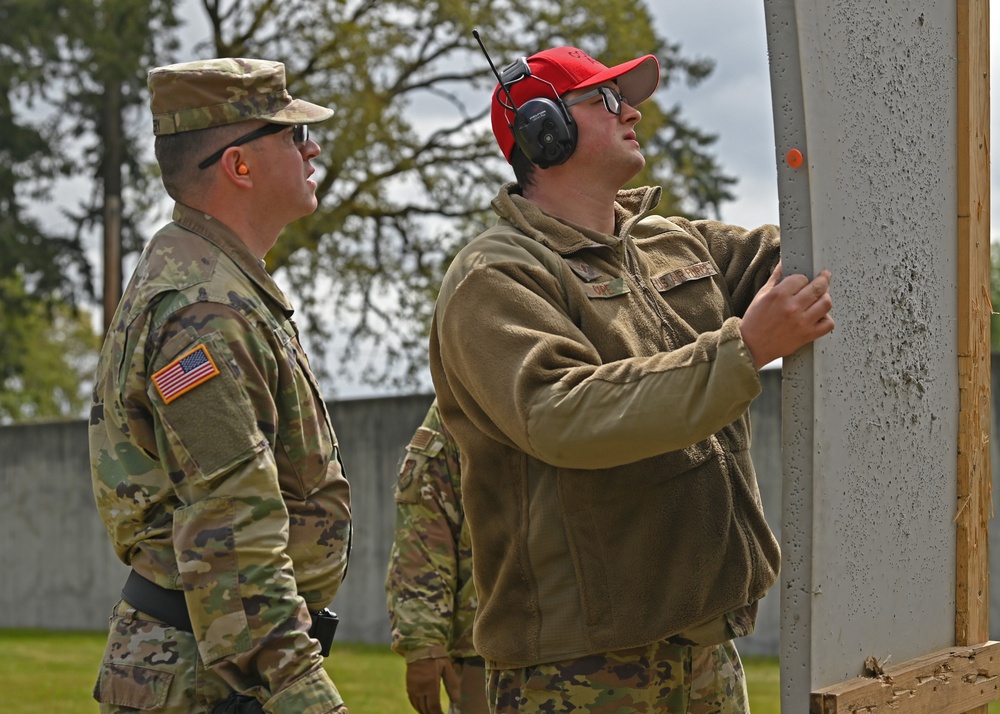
[[595, 364]]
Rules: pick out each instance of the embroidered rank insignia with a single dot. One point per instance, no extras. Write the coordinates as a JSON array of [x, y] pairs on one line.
[[185, 373], [612, 288]]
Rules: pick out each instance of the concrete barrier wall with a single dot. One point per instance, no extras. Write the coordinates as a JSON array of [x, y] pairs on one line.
[[60, 571]]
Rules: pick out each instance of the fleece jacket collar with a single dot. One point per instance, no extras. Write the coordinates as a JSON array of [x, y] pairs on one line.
[[565, 237]]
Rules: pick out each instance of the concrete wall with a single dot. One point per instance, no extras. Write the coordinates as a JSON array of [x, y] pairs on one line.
[[61, 573]]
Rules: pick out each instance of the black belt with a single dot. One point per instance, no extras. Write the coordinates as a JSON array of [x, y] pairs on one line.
[[169, 606], [161, 603]]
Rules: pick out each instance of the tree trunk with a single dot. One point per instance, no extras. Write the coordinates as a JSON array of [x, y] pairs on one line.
[[111, 176]]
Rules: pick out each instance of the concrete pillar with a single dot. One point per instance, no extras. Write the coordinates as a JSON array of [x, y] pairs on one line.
[[866, 92]]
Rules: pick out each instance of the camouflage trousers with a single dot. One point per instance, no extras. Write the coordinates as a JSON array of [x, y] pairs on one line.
[[472, 677], [149, 666], [661, 678]]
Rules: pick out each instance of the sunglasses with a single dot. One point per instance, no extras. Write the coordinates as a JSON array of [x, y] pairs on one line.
[[300, 135], [612, 99]]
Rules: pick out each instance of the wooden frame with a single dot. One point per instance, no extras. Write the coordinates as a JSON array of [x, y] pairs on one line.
[[947, 682], [972, 596]]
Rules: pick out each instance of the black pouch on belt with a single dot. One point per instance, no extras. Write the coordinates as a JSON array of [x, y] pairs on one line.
[[324, 627], [238, 704]]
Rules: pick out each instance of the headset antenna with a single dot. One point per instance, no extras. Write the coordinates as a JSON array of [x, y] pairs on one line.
[[475, 33]]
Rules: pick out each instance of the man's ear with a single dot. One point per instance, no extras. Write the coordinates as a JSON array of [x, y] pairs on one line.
[[236, 168]]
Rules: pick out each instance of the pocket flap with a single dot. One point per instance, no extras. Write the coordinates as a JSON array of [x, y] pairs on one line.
[[126, 685]]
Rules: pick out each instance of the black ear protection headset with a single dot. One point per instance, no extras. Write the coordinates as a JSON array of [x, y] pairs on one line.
[[543, 129]]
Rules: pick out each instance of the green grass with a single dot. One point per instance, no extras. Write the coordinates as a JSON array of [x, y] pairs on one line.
[[762, 684], [53, 672]]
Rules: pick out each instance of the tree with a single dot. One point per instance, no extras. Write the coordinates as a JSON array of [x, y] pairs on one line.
[[50, 351], [43, 275], [71, 67], [410, 164], [107, 47], [52, 266]]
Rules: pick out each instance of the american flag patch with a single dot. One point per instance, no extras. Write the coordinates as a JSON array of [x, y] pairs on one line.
[[184, 374]]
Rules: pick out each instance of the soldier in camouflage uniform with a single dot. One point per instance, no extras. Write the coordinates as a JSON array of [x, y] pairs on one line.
[[431, 596], [215, 467]]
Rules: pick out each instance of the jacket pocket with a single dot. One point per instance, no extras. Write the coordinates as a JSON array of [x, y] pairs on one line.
[[306, 441], [692, 291]]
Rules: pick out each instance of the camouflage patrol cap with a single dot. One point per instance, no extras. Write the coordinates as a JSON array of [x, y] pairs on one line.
[[216, 92]]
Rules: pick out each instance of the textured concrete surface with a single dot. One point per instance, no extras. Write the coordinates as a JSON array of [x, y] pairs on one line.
[[868, 93]]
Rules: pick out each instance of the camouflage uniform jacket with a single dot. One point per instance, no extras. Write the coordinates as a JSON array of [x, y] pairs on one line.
[[430, 593], [215, 467], [599, 388]]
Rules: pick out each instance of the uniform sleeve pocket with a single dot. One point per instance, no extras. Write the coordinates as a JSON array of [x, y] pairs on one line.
[[209, 424], [408, 482], [126, 685]]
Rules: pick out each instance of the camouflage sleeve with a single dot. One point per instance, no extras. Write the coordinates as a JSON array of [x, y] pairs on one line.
[[236, 478], [422, 582]]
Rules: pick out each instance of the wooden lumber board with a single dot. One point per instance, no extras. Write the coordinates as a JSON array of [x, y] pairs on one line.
[[974, 493], [950, 681]]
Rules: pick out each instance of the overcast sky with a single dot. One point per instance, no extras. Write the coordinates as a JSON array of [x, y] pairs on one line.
[[735, 101]]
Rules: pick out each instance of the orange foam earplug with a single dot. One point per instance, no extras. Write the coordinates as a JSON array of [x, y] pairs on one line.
[[794, 158]]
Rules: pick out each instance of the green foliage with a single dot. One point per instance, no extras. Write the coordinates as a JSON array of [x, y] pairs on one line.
[[43, 275], [410, 164], [49, 352], [29, 160], [71, 69], [106, 49]]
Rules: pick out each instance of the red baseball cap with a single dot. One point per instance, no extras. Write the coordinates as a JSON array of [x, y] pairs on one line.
[[566, 69]]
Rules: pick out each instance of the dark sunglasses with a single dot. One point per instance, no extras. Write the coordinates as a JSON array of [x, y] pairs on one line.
[[300, 135], [612, 99]]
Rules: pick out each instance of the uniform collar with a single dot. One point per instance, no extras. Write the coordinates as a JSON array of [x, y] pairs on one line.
[[223, 237]]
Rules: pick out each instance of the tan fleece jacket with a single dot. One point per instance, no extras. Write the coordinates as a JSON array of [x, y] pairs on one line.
[[598, 387]]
